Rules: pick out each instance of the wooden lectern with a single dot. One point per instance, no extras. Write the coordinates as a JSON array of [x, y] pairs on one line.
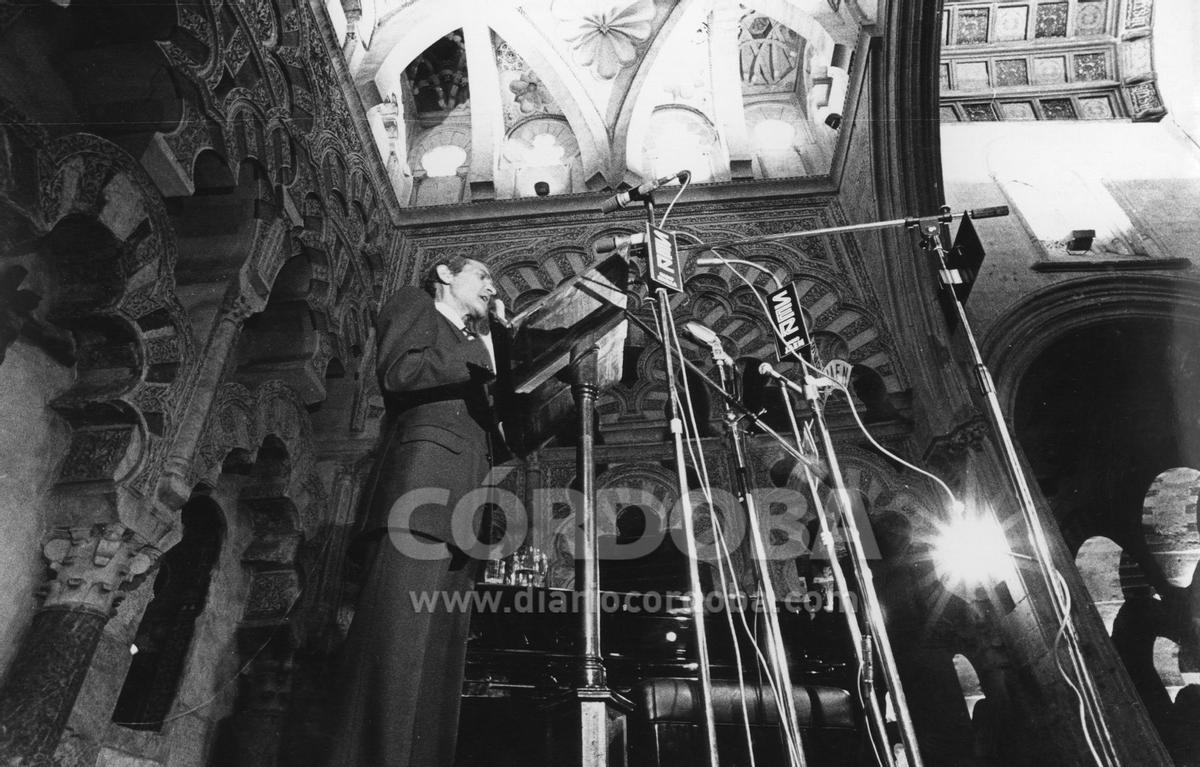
[[566, 348]]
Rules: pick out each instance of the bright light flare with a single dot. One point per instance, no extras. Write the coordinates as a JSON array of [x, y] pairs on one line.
[[971, 551]]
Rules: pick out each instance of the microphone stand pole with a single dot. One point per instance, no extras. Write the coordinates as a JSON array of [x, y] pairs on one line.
[[726, 398], [862, 645], [873, 612], [689, 526], [778, 656], [863, 651], [1089, 696]]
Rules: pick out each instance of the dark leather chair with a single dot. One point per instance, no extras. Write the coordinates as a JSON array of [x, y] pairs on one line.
[[666, 726]]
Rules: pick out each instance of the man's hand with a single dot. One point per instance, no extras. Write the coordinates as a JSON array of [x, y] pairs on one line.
[[498, 312]]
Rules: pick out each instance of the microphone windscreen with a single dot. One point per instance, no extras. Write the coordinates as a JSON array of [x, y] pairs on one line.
[[604, 245], [701, 333], [999, 210]]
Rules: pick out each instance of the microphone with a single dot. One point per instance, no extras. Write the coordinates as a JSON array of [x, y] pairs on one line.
[[708, 337], [617, 242], [701, 333], [497, 314], [766, 370], [622, 199], [999, 210]]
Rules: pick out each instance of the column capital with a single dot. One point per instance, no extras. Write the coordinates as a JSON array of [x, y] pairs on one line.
[[241, 305], [948, 453], [91, 564]]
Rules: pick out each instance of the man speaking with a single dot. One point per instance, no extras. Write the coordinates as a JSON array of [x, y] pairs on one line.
[[404, 655]]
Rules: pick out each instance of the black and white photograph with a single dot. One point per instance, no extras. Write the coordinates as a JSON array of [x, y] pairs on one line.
[[599, 383]]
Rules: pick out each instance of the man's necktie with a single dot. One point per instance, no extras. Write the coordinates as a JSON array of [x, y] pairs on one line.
[[472, 336]]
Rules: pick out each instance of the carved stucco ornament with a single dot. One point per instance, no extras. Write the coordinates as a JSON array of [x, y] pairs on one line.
[[91, 564], [604, 34]]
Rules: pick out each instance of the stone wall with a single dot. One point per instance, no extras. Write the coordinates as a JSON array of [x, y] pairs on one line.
[[32, 441]]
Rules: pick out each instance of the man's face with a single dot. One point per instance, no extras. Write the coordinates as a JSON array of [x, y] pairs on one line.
[[471, 290]]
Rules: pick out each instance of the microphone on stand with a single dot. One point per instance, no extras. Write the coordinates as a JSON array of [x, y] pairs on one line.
[[999, 210], [767, 370], [701, 333], [640, 192], [498, 314], [608, 244], [708, 337]]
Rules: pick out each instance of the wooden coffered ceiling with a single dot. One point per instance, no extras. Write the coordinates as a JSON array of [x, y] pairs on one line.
[[1048, 60]]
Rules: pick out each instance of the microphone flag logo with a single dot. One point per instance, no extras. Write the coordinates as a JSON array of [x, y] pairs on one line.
[[662, 258], [787, 317]]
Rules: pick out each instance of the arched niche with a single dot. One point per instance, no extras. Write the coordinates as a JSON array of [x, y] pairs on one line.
[[344, 386], [1169, 523], [270, 562], [787, 89], [1099, 563], [109, 77], [266, 436], [440, 159], [682, 138], [286, 341], [101, 263], [968, 682], [533, 81], [216, 230], [1097, 402], [784, 142], [642, 500], [161, 647], [541, 150], [80, 268], [1097, 427]]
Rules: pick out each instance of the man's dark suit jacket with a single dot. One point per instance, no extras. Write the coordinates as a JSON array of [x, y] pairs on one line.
[[403, 666], [439, 427]]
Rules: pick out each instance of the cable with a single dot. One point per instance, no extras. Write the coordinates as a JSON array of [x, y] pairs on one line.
[[662, 222], [955, 503], [882, 734], [671, 342], [876, 731], [1065, 595], [698, 459], [859, 683], [1060, 598], [665, 323], [690, 425]]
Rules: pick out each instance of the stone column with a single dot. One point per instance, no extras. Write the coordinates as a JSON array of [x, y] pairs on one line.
[[90, 566], [328, 618], [263, 705], [245, 297], [175, 487]]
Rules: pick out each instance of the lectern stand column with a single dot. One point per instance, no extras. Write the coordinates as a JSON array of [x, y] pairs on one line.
[[583, 387], [588, 725]]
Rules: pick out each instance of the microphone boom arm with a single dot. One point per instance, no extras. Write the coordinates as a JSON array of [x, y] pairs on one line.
[[942, 218]]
